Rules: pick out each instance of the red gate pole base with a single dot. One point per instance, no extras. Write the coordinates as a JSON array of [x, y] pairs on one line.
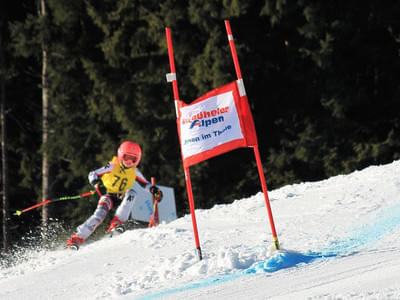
[[199, 255], [276, 244]]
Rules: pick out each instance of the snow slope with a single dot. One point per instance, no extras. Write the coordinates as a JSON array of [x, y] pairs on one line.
[[339, 239]]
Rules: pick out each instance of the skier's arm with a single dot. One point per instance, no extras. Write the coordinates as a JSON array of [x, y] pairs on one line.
[[143, 182]]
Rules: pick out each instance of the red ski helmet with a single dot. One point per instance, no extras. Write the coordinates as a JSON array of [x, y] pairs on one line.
[[129, 153]]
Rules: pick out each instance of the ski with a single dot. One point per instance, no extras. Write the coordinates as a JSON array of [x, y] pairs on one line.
[[117, 231], [74, 247]]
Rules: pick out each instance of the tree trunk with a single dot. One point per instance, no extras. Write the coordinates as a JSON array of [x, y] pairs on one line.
[[45, 105], [4, 171]]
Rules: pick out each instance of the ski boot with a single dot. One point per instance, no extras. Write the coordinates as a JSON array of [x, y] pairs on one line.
[[74, 242], [116, 227]]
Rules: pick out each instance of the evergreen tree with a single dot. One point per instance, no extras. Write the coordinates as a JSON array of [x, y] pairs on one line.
[[320, 77], [4, 136]]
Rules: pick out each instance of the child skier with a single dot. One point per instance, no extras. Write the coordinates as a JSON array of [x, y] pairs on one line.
[[114, 182]]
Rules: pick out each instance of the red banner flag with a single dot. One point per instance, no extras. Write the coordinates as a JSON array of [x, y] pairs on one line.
[[215, 123]]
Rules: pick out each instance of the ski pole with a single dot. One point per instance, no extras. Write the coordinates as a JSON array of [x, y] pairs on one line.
[[154, 217], [19, 212]]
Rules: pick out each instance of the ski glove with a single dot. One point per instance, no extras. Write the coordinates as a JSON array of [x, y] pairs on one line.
[[156, 192], [93, 179]]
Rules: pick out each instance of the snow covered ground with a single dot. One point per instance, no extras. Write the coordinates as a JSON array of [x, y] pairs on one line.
[[340, 239]]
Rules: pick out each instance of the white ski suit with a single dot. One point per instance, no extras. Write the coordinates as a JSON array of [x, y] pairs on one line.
[[118, 182]]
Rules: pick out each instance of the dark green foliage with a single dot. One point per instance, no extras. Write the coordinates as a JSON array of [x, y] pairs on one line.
[[321, 77]]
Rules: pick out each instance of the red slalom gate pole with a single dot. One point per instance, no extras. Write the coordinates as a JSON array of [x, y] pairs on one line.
[[192, 212], [267, 202], [154, 219], [171, 77], [255, 148], [233, 49]]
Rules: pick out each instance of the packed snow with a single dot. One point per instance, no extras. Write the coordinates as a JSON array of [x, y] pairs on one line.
[[339, 240]]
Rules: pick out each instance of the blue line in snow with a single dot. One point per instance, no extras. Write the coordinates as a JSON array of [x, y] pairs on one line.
[[385, 223], [192, 286]]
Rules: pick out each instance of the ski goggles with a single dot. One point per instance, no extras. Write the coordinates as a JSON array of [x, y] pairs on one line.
[[131, 158]]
